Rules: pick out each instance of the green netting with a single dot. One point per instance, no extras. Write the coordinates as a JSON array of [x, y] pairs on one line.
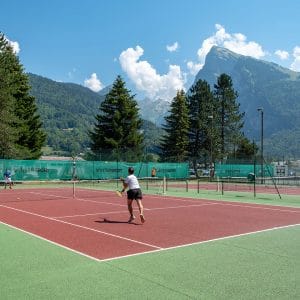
[[37, 169], [83, 170], [242, 170]]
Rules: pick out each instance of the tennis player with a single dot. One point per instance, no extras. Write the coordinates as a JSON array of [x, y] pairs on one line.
[[134, 193], [153, 172], [7, 179]]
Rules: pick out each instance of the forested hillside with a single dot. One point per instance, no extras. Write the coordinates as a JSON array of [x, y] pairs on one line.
[[68, 112]]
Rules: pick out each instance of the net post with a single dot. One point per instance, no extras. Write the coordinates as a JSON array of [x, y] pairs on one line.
[[73, 188], [254, 169], [254, 182], [274, 183], [164, 185], [186, 186], [198, 186], [222, 185]]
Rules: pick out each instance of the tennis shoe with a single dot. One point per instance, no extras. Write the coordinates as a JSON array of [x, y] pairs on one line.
[[131, 219], [142, 218]]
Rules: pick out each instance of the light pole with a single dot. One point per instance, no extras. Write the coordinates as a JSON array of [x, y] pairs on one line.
[[211, 117], [261, 110]]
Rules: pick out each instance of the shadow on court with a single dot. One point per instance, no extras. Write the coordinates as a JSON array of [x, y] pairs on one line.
[[104, 220]]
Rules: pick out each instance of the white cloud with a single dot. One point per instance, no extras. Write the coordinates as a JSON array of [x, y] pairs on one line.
[[283, 55], [173, 47], [15, 46], [93, 83], [147, 80], [236, 42], [295, 66], [194, 68]]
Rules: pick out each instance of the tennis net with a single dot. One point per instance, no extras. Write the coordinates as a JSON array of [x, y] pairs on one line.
[[68, 189]]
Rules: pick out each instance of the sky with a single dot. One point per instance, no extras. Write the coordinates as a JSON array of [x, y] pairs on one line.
[[157, 46]]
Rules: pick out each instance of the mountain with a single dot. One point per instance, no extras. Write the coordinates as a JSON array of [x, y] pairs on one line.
[[68, 112], [105, 90], [261, 84], [154, 110]]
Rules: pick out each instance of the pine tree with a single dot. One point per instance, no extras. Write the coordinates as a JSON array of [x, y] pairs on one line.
[[245, 149], [117, 126], [231, 120], [202, 117], [22, 122], [174, 145], [31, 136], [8, 134]]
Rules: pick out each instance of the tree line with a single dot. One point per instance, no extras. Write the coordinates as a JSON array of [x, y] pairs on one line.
[[206, 126], [202, 126]]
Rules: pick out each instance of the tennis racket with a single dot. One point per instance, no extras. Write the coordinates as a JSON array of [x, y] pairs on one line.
[[119, 193]]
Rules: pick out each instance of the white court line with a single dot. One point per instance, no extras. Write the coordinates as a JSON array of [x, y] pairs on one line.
[[202, 242], [245, 204], [82, 227], [183, 206], [254, 205], [182, 199], [224, 202], [100, 202], [79, 199], [93, 214], [51, 195], [51, 242], [187, 206], [151, 251], [126, 211], [159, 197], [292, 210]]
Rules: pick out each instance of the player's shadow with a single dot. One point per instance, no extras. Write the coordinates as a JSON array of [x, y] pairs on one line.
[[104, 220]]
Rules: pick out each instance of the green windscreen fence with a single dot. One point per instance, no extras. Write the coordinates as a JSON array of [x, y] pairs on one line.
[[22, 170], [242, 170]]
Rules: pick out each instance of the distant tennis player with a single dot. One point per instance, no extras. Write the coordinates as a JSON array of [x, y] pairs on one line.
[[134, 193], [7, 179], [153, 172]]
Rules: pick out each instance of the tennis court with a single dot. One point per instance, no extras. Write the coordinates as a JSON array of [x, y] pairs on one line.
[[93, 223]]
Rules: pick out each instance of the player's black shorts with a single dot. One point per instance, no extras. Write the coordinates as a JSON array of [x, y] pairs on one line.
[[134, 194]]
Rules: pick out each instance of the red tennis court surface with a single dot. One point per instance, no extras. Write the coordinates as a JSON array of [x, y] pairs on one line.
[[95, 222]]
